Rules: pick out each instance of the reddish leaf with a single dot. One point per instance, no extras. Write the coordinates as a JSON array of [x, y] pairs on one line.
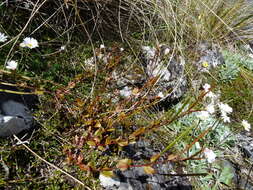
[[84, 167], [79, 159], [81, 142]]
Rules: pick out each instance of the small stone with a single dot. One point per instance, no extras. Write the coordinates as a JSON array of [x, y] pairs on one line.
[[171, 82]]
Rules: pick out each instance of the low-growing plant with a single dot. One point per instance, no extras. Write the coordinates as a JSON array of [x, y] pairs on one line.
[[233, 64], [82, 114]]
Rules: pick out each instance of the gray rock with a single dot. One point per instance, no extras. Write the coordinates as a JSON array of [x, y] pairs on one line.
[[246, 145], [158, 62], [210, 57], [12, 126], [125, 76], [244, 169], [136, 179], [15, 114], [154, 63]]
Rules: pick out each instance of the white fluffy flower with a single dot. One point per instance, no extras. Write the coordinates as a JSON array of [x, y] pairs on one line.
[[102, 46], [206, 87], [108, 181], [210, 108], [225, 118], [29, 43], [62, 48], [160, 95], [3, 37], [246, 125], [225, 108], [203, 115], [126, 92], [211, 95], [12, 65], [210, 155]]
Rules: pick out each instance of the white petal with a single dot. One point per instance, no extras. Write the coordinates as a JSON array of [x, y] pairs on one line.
[[210, 155], [11, 65], [225, 118], [3, 37], [246, 125], [210, 108], [206, 87], [203, 115], [225, 108], [29, 43]]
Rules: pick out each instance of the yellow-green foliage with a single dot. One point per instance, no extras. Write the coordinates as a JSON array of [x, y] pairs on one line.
[[193, 20]]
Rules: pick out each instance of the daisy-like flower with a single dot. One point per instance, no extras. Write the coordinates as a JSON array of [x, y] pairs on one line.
[[210, 108], [3, 37], [225, 118], [246, 125], [206, 87], [29, 43], [211, 95], [225, 108], [205, 64], [108, 181], [203, 115], [12, 65], [210, 155]]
